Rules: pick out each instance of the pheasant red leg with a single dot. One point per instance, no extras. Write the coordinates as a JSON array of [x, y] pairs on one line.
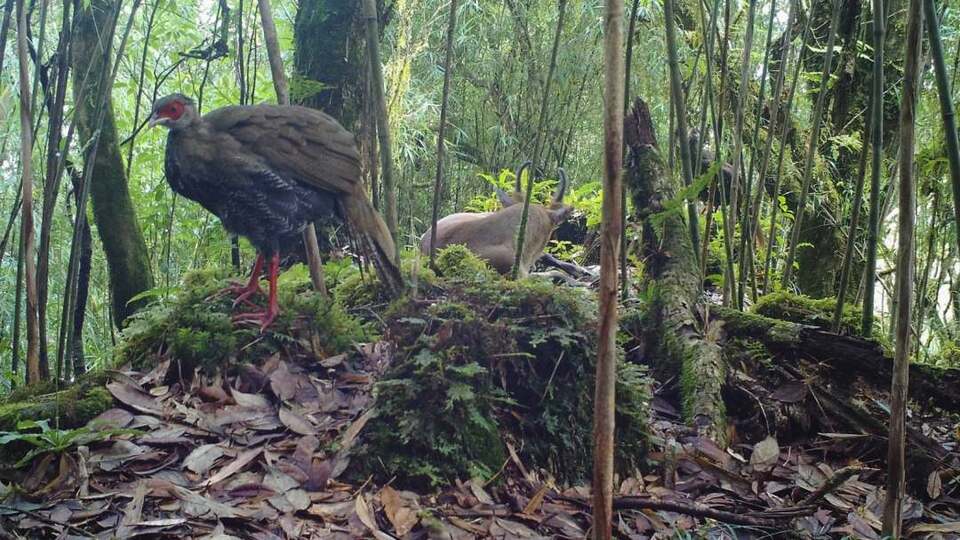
[[266, 318], [253, 286]]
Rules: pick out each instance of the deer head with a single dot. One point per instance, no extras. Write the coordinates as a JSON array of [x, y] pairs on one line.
[[493, 235]]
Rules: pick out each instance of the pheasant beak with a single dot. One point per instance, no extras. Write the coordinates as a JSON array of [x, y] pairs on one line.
[[157, 121]]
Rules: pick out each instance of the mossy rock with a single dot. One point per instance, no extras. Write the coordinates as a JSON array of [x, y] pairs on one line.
[[195, 327], [805, 310], [492, 362]]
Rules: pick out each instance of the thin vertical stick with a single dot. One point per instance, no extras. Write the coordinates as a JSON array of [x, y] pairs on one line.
[[873, 228], [538, 146], [677, 98], [283, 98], [812, 144], [746, 236], [730, 224], [624, 270], [26, 219], [604, 397], [772, 129], [775, 197], [383, 124], [892, 518], [438, 180], [854, 222]]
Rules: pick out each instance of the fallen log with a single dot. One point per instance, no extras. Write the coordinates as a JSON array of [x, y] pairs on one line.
[[673, 275], [851, 355]]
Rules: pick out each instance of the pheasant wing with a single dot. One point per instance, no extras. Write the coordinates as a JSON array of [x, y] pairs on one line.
[[294, 142]]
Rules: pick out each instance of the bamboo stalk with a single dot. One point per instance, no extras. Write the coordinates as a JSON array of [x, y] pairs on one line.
[[873, 227], [438, 180], [775, 202], [604, 397], [677, 99], [812, 144], [896, 459], [624, 270], [383, 124], [538, 147], [946, 108], [730, 224], [26, 219]]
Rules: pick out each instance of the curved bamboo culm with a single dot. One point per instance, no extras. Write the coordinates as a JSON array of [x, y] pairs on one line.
[[521, 232], [812, 145], [444, 100], [947, 112], [775, 203], [746, 236]]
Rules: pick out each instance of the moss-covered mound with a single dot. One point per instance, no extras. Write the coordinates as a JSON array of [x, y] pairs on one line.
[[488, 363], [195, 326], [805, 310], [73, 406]]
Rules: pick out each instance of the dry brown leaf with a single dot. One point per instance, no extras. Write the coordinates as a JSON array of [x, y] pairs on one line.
[[115, 418], [296, 422], [934, 485], [234, 466], [365, 514], [535, 501], [403, 518], [203, 457], [253, 401], [766, 454], [135, 398]]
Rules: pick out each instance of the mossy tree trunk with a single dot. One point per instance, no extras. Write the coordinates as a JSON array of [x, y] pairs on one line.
[[327, 60], [113, 210], [672, 270]]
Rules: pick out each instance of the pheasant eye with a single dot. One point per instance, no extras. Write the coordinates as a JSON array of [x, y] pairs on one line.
[[173, 110]]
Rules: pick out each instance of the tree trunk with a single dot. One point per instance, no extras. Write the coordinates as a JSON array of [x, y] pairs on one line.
[[673, 271], [113, 210], [26, 219], [327, 61]]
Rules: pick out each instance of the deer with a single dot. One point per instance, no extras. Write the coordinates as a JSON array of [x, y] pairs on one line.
[[492, 236]]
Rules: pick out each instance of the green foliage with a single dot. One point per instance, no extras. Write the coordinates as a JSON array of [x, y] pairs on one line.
[[53, 440], [195, 327], [489, 362]]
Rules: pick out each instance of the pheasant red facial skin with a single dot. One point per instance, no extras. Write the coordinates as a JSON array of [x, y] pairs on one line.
[[267, 171]]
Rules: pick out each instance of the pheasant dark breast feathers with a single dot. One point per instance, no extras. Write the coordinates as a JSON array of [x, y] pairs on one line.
[[265, 171]]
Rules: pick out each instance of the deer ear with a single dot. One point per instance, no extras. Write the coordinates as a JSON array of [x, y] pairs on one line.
[[559, 215], [505, 198]]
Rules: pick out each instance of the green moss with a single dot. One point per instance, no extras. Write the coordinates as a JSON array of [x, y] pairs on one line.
[[355, 290], [752, 325], [73, 406], [493, 361], [195, 327], [805, 310], [457, 263]]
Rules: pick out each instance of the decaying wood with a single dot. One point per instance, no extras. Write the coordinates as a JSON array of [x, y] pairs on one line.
[[672, 268]]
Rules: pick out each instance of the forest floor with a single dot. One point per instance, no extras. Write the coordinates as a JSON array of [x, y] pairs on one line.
[[264, 451]]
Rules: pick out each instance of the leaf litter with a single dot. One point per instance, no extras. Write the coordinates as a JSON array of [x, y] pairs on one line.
[[260, 455]]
